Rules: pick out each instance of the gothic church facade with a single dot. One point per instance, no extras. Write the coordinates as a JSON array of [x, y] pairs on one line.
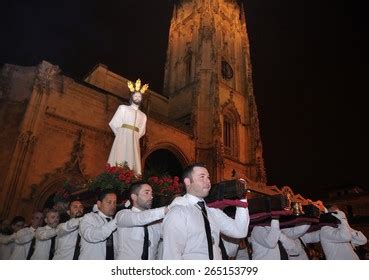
[[55, 128]]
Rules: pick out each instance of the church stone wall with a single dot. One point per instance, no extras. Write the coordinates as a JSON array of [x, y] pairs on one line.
[[163, 136], [69, 109], [64, 134]]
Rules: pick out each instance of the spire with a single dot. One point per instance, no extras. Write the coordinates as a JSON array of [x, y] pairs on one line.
[[242, 14]]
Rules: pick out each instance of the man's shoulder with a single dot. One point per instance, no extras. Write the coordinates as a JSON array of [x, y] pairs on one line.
[[123, 211], [89, 216], [179, 210], [42, 228], [26, 229]]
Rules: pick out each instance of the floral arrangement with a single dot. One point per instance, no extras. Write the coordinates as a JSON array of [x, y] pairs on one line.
[[165, 185], [117, 178]]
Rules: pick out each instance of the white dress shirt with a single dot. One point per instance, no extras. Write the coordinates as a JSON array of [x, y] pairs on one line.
[[357, 238], [231, 246], [336, 242], [131, 234], [43, 242], [311, 237], [6, 246], [94, 230], [264, 240], [66, 239], [22, 239], [297, 251], [184, 235], [242, 254]]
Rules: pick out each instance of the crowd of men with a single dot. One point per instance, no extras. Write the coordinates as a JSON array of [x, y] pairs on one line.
[[185, 229]]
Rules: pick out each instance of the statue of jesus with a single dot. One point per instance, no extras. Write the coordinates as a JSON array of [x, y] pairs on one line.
[[129, 125]]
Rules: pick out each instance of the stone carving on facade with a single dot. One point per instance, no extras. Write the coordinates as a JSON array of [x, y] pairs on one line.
[[77, 153], [49, 113], [5, 82], [194, 106], [215, 6], [72, 171], [219, 153], [229, 110], [27, 137], [46, 72], [256, 144], [144, 142], [230, 106], [214, 89], [23, 152]]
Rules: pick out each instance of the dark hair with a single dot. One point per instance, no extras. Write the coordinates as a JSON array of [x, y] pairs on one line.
[[18, 219], [135, 187], [131, 98], [102, 194], [187, 172], [73, 200]]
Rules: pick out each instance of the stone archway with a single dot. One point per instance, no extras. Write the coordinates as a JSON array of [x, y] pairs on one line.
[[48, 188], [163, 161]]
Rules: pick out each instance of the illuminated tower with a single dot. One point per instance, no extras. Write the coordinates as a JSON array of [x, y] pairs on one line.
[[208, 80]]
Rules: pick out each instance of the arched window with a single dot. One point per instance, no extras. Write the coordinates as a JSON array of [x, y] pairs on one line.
[[188, 65], [230, 135]]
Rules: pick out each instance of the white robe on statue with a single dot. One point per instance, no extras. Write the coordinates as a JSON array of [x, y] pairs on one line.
[[126, 146]]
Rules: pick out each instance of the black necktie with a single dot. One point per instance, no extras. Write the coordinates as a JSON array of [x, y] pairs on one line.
[[223, 249], [282, 251], [305, 248], [109, 246], [52, 248], [146, 244], [248, 248], [207, 229], [31, 248], [77, 248]]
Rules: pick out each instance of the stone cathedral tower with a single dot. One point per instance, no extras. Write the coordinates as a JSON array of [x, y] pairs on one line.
[[208, 80]]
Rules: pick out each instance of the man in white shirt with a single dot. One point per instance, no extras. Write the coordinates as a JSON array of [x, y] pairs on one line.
[[98, 230], [337, 243], [297, 252], [269, 243], [137, 223], [192, 230], [25, 239], [7, 240], [308, 238], [68, 238], [45, 237]]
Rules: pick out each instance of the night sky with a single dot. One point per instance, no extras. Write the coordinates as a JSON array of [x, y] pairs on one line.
[[310, 70]]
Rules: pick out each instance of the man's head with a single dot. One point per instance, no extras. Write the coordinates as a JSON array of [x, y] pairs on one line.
[[136, 98], [107, 203], [141, 195], [18, 223], [333, 208], [37, 219], [197, 180], [5, 227], [75, 209], [52, 218]]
